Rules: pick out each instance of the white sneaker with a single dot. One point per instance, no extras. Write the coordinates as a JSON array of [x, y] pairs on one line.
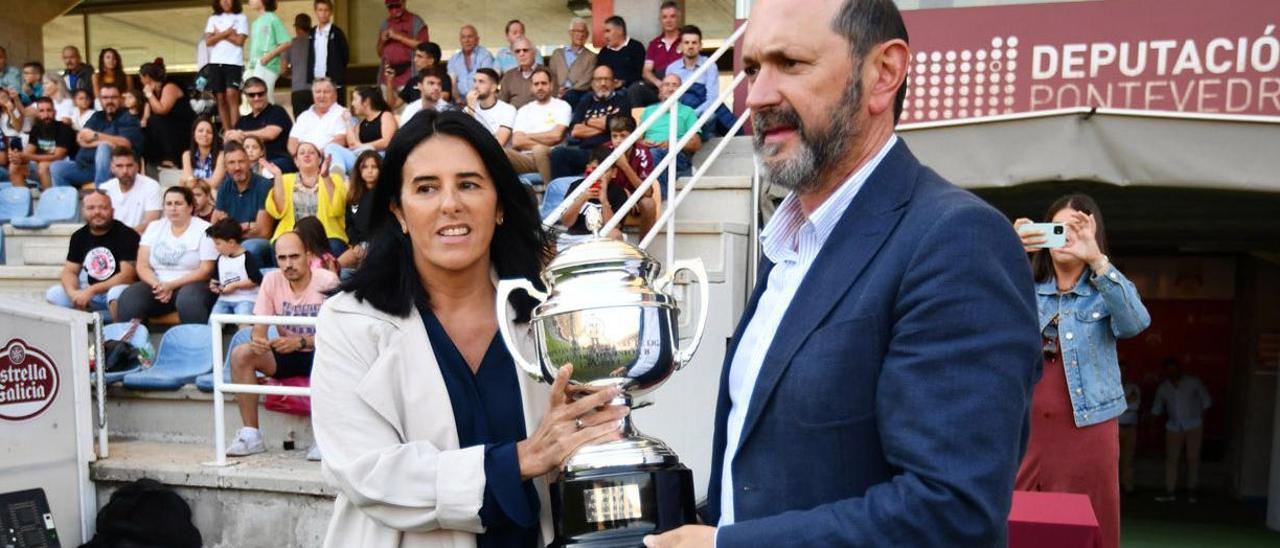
[[314, 453], [248, 442]]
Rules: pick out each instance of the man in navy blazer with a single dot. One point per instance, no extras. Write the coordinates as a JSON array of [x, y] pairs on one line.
[[877, 388]]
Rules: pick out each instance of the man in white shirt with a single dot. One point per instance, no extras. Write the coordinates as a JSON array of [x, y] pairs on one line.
[[325, 126], [431, 91], [539, 126], [1183, 398], [498, 116], [134, 196]]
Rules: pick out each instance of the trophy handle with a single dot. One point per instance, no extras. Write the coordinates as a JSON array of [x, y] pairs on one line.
[[695, 267], [505, 287]]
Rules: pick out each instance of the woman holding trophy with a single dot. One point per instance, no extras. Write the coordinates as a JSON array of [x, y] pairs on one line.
[[431, 434]]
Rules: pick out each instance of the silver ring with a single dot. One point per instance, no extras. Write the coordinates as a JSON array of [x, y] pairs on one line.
[[578, 423]]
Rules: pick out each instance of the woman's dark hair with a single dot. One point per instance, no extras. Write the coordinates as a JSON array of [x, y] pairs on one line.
[[374, 97], [311, 231], [117, 74], [136, 93], [215, 147], [1042, 262], [153, 70], [520, 246], [88, 93], [225, 229], [358, 185], [236, 7], [186, 193]]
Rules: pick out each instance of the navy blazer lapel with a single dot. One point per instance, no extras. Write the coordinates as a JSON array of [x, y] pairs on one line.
[[857, 237]]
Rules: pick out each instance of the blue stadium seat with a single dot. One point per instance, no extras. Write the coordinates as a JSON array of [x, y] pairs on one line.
[[58, 204], [205, 382], [186, 352], [1, 247], [141, 339], [14, 203], [531, 179]]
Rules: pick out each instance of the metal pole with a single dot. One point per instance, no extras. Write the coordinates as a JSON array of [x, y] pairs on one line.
[[99, 365], [673, 152], [219, 422]]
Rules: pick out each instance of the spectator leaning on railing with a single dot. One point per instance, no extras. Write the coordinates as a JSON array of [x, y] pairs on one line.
[[294, 289]]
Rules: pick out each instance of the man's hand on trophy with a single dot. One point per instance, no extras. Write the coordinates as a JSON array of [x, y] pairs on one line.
[[689, 536], [571, 421]]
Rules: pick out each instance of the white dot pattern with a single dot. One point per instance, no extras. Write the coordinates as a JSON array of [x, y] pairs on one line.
[[963, 83]]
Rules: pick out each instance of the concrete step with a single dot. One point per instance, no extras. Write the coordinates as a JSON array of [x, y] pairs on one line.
[[28, 282], [45, 253], [47, 239], [275, 499], [737, 159], [186, 416], [716, 199]]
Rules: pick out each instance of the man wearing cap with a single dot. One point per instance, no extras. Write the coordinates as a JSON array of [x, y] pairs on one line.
[[400, 35]]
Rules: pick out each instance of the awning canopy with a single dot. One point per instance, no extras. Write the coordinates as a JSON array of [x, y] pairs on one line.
[[1121, 147]]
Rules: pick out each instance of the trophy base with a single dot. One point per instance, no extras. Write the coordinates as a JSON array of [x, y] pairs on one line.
[[619, 506]]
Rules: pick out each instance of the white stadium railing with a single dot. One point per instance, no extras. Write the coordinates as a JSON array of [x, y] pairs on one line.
[[668, 163], [221, 386]]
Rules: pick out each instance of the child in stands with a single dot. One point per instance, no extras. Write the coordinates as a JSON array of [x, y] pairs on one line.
[[238, 273]]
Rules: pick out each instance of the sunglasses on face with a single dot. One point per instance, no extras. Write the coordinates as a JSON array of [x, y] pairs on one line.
[[254, 94]]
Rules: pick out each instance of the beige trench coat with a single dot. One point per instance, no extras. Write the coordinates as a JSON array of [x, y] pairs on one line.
[[382, 415]]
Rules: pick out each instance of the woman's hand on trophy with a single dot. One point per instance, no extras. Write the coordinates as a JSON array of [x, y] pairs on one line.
[[569, 424]]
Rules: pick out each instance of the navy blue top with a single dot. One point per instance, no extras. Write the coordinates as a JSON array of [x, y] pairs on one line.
[[122, 125], [488, 410], [243, 206]]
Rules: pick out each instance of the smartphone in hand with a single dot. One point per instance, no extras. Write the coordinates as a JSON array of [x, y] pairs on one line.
[[1054, 234]]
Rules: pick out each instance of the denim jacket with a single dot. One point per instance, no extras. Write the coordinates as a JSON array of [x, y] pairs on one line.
[[1096, 312]]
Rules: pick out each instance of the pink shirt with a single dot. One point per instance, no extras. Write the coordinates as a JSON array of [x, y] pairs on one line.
[[276, 298]]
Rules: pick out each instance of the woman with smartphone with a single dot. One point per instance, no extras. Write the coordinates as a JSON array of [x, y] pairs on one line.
[[1085, 305]]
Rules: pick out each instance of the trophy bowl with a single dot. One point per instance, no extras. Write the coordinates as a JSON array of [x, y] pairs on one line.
[[607, 312]]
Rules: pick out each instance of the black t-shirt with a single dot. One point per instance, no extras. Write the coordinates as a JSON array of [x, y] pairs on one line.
[[409, 93], [47, 137], [592, 107], [617, 197], [273, 115], [100, 256], [627, 63]]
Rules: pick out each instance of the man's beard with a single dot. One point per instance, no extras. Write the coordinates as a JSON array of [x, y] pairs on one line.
[[816, 152]]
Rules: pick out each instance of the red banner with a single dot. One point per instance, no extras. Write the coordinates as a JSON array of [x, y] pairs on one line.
[[1160, 55]]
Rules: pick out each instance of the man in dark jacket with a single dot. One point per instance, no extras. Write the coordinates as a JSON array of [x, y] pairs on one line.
[[329, 51]]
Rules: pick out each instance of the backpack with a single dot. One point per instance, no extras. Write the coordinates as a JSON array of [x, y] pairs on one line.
[[145, 514]]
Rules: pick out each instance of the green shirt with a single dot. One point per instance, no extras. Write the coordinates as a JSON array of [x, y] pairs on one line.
[[265, 34], [660, 131]]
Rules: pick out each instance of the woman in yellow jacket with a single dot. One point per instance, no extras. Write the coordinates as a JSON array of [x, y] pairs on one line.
[[311, 192]]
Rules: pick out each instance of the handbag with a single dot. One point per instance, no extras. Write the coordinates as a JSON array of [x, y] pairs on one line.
[[121, 355], [292, 405]]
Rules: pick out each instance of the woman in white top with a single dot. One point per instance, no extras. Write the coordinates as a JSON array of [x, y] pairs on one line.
[[418, 459], [175, 261], [64, 107], [225, 35]]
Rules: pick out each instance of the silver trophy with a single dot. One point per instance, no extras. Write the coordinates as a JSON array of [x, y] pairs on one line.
[[609, 313]]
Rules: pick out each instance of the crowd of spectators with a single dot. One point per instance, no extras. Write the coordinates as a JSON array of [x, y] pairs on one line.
[[262, 188]]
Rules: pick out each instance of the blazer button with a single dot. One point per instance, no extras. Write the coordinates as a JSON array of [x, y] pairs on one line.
[[746, 488], [1097, 315], [1070, 336], [1079, 391]]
